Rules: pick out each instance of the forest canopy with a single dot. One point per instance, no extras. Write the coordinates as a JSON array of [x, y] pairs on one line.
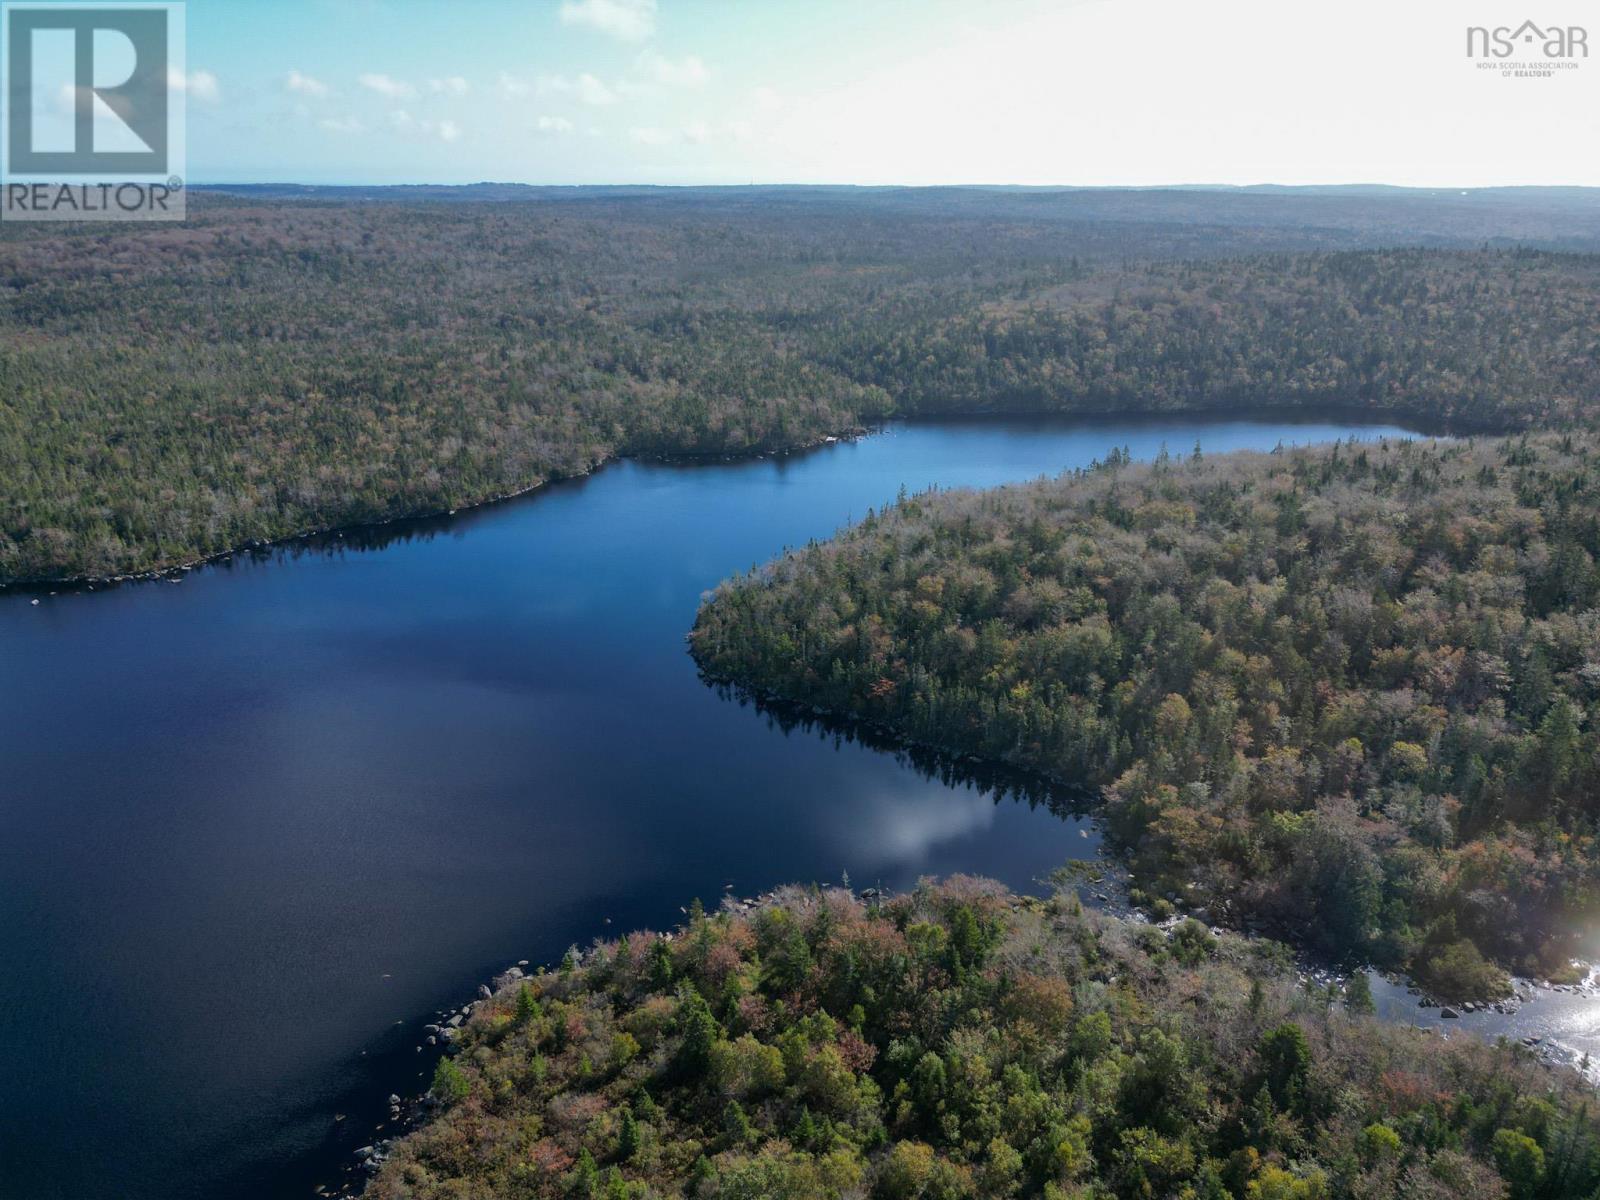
[[961, 1043], [1350, 692], [269, 367]]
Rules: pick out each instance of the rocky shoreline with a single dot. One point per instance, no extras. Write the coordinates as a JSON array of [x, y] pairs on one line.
[[1105, 886], [438, 1036], [405, 1113]]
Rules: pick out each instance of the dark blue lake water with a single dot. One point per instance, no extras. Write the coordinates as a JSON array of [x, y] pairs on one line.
[[257, 826]]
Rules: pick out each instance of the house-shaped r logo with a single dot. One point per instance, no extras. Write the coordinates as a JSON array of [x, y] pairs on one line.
[[106, 66]]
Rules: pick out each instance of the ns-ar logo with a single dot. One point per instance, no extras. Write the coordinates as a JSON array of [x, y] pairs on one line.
[[1552, 41]]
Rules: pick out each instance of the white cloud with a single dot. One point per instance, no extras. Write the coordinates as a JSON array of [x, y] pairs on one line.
[[386, 85], [202, 85], [556, 126], [688, 71], [509, 87], [306, 85], [695, 133], [67, 100], [445, 131], [592, 91], [342, 125], [630, 20], [767, 99], [111, 133], [587, 87], [452, 85], [981, 100]]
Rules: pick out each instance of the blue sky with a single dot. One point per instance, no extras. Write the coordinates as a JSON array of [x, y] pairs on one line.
[[873, 91]]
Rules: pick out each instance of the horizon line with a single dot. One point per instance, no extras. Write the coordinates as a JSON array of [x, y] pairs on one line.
[[971, 186]]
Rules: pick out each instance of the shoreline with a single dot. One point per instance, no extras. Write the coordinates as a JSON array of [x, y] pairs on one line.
[[1419, 426], [1052, 786], [88, 583], [410, 1112], [53, 585], [1107, 893]]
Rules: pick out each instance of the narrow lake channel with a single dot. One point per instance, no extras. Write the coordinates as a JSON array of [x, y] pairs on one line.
[[257, 826]]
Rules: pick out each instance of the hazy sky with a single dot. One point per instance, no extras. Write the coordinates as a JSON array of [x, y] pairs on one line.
[[879, 91]]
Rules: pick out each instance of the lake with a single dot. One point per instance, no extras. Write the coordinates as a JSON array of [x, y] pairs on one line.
[[256, 827]]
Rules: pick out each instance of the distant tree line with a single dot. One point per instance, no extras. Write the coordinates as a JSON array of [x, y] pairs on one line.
[[269, 368]]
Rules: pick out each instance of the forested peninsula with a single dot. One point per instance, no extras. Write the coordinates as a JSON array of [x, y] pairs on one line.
[[1343, 695], [962, 1043], [1347, 692], [272, 367]]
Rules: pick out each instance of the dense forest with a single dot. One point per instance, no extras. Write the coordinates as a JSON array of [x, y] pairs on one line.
[[275, 366], [1348, 691], [1486, 341], [961, 1042], [1347, 694]]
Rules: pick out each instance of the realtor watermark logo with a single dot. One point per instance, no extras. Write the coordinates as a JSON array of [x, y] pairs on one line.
[[1528, 50], [92, 127]]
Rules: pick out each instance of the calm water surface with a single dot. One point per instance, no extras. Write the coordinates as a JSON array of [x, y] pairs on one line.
[[257, 826]]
